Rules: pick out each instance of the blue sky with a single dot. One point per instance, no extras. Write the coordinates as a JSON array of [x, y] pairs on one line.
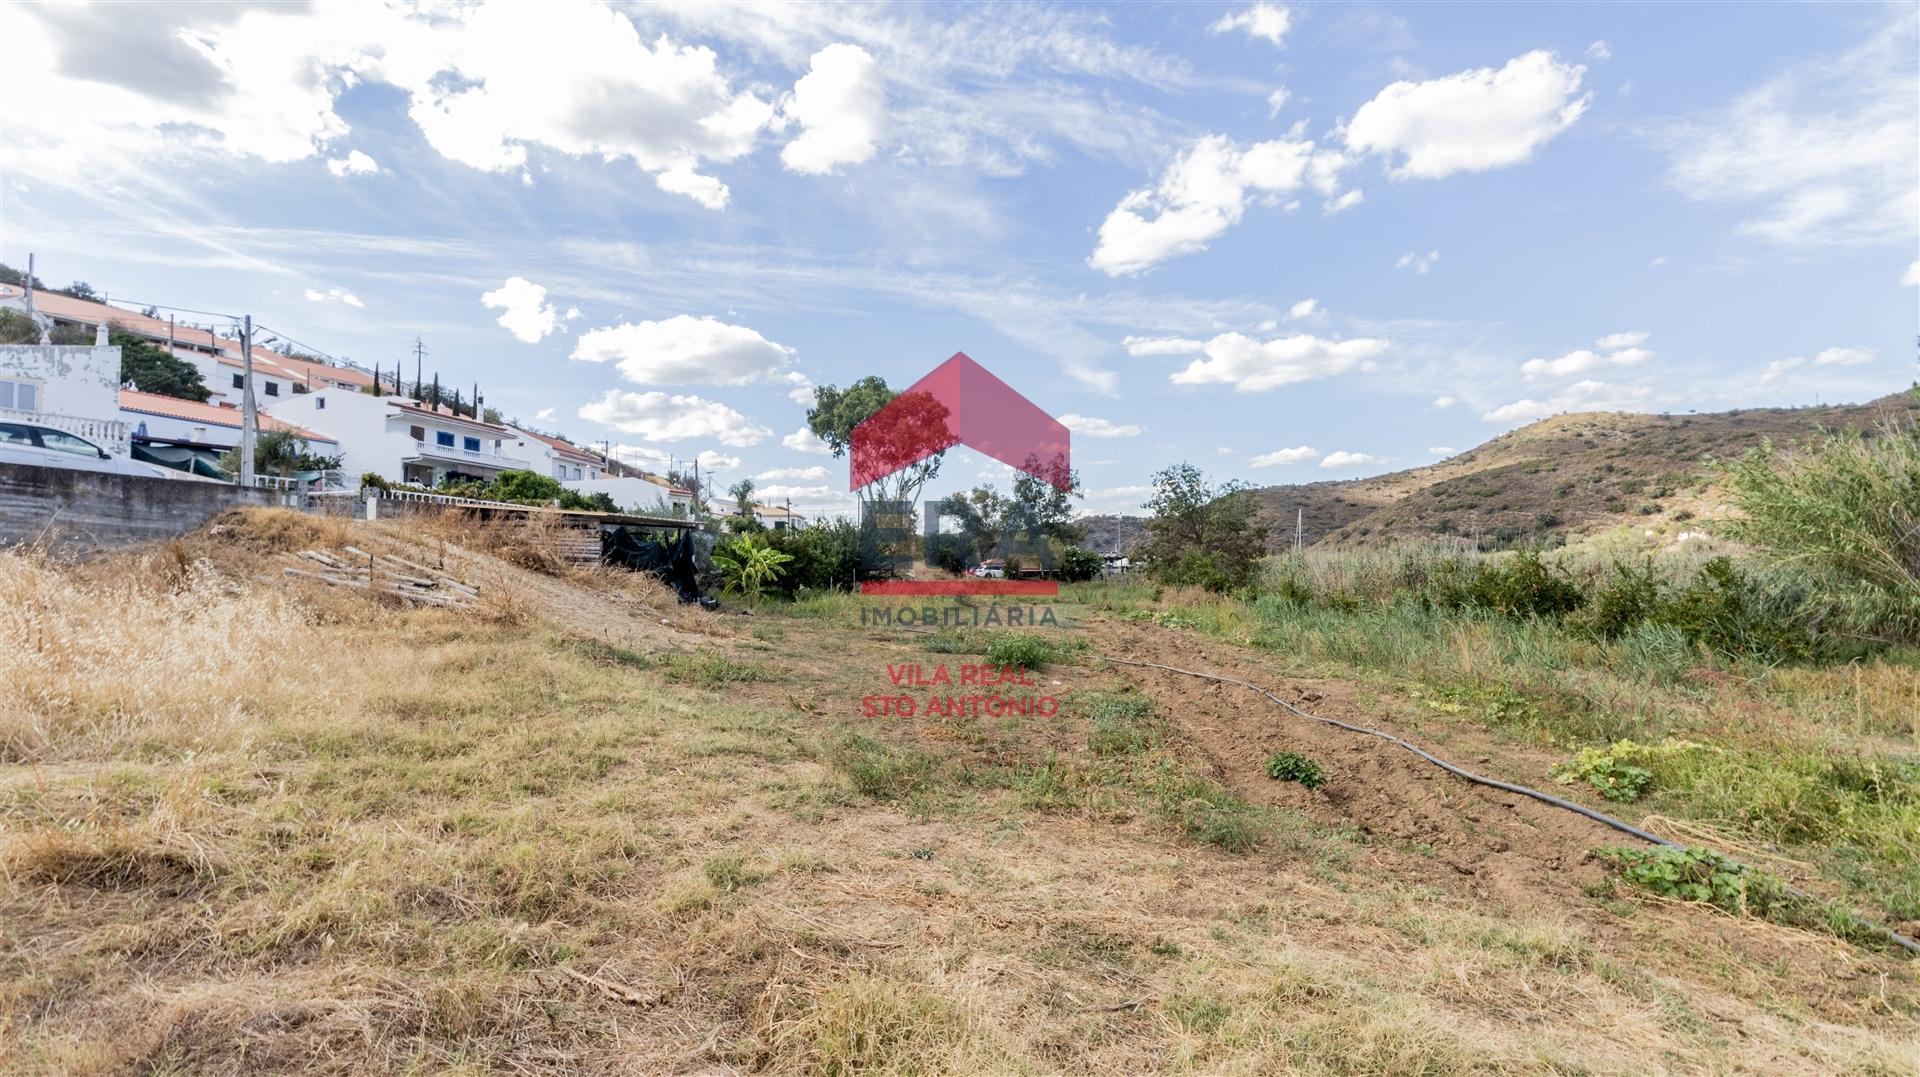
[[658, 225]]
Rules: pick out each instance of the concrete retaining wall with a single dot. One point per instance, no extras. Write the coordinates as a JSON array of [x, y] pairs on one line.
[[86, 509]]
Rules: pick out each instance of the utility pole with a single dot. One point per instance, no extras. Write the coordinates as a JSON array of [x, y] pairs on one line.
[[32, 311], [1299, 529], [249, 423]]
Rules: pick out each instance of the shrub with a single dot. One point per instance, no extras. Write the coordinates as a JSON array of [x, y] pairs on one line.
[[1629, 596], [1522, 585], [1078, 564], [825, 557], [1730, 613], [1025, 650], [1844, 512], [1294, 767]]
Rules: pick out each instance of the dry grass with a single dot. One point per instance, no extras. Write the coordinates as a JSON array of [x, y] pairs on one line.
[[372, 839]]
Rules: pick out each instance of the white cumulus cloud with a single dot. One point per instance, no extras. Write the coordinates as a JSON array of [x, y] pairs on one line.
[[333, 295], [1615, 349], [1348, 459], [1268, 22], [1097, 428], [1277, 100], [1470, 121], [799, 388], [840, 107], [1580, 396], [1780, 366], [815, 472], [1250, 365], [1306, 308], [684, 350], [1911, 278], [524, 309], [1280, 457], [1204, 192], [803, 440], [1445, 402], [1844, 356], [1442, 450], [354, 163], [1419, 263], [657, 416], [1138, 346]]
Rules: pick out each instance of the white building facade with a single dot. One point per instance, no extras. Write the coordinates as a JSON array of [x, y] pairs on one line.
[[75, 388], [401, 441]]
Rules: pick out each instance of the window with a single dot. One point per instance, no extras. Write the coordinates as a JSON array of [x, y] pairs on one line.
[[470, 444], [443, 439], [19, 395], [320, 403], [417, 433], [239, 381], [273, 388], [60, 441], [15, 434]]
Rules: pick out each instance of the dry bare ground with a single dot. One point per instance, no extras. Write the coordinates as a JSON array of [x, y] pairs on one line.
[[249, 824]]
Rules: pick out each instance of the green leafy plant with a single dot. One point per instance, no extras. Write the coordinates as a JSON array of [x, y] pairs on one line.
[[1695, 874], [1294, 767], [748, 566], [1621, 771], [1023, 649]]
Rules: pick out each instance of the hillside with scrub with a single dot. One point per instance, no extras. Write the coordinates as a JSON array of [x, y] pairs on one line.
[[1564, 477], [555, 821]]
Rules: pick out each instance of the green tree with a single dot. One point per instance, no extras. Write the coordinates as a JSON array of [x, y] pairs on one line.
[[81, 290], [155, 370], [919, 425], [1201, 534], [17, 328], [742, 494], [279, 452]]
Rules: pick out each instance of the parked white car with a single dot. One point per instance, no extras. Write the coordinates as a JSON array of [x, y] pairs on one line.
[[22, 443]]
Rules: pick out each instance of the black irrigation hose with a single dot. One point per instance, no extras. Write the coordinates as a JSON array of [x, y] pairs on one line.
[[1480, 779]]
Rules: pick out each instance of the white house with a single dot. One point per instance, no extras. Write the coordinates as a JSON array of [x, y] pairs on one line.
[[217, 358], [774, 517], [641, 494], [155, 420], [400, 440], [555, 456], [67, 387]]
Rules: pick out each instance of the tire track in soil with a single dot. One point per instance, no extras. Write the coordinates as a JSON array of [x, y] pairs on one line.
[[1487, 844]]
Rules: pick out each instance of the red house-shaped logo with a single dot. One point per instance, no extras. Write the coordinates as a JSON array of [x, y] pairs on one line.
[[960, 402]]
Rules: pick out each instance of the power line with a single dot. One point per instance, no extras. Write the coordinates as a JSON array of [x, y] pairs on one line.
[[236, 318]]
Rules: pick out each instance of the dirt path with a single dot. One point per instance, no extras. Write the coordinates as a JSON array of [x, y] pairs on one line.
[[1498, 849]]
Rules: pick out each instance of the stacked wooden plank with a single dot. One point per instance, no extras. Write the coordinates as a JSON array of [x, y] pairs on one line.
[[384, 574], [579, 545]]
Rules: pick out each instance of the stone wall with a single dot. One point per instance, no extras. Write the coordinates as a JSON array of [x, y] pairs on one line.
[[78, 510]]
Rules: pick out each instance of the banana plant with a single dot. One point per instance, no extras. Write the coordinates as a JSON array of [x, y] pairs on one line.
[[748, 565]]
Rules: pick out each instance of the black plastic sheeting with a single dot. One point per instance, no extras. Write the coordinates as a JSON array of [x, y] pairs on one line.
[[672, 560]]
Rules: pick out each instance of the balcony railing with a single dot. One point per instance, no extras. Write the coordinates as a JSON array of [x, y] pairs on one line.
[[109, 434], [479, 457]]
